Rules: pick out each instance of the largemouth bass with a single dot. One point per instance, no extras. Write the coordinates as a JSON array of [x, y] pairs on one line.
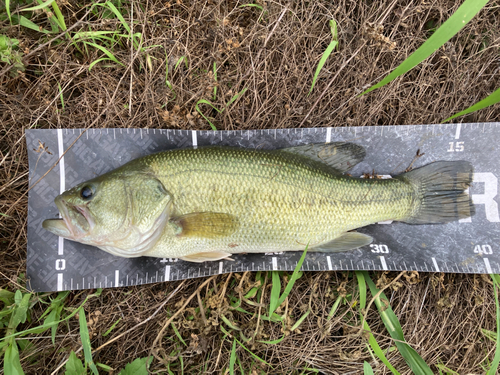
[[208, 203]]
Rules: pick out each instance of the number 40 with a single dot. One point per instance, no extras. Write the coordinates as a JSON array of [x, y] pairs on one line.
[[483, 249]]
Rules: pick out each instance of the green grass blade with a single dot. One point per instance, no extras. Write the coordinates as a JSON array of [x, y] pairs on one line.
[[242, 371], [59, 16], [275, 292], [111, 328], [23, 21], [203, 101], [371, 339], [236, 96], [334, 308], [226, 333], [61, 95], [52, 317], [44, 327], [6, 296], [106, 52], [74, 366], [447, 30], [334, 43], [92, 34], [176, 331], [446, 370], [12, 364], [367, 369], [56, 302], [301, 319], [84, 336], [100, 38], [54, 22], [179, 62], [37, 7], [272, 342], [295, 276], [167, 82], [391, 322], [7, 9], [263, 12], [489, 334], [229, 324], [378, 350], [362, 290], [197, 107], [496, 359], [232, 359], [491, 99], [215, 78], [96, 62], [252, 354], [117, 13], [252, 5], [252, 292], [273, 318], [110, 369], [322, 62], [166, 70]]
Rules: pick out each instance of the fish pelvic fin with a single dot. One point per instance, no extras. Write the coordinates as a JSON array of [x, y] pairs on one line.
[[347, 241], [440, 192], [205, 225], [208, 256], [341, 156]]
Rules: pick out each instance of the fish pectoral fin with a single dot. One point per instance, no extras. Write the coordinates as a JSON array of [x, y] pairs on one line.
[[205, 224], [347, 241], [208, 256], [341, 156]]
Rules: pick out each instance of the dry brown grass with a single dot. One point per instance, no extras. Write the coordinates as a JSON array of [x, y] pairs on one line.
[[275, 58]]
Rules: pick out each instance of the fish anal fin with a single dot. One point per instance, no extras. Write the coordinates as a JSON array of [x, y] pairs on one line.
[[347, 241], [340, 156], [205, 224], [208, 256]]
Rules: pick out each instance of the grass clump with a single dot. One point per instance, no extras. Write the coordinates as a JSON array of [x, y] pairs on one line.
[[391, 322], [10, 54], [439, 37], [204, 101]]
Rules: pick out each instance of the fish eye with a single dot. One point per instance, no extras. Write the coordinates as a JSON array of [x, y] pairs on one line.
[[87, 192]]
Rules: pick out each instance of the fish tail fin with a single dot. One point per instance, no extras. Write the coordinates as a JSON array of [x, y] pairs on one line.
[[440, 192]]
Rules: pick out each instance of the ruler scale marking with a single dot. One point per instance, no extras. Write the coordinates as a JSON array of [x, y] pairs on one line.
[[476, 138]]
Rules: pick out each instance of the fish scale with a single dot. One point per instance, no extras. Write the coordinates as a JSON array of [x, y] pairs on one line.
[[469, 246], [281, 203]]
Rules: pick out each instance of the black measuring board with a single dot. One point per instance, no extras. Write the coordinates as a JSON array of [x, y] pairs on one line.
[[469, 246]]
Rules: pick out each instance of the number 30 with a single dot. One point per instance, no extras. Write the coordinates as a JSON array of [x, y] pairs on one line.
[[379, 248]]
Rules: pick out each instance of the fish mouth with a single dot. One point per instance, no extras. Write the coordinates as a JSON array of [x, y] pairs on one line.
[[75, 221]]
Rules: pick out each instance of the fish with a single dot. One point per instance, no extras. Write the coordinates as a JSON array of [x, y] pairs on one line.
[[208, 203]]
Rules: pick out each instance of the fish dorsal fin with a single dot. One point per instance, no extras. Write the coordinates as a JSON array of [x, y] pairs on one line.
[[341, 156], [205, 224], [208, 256], [347, 241]]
